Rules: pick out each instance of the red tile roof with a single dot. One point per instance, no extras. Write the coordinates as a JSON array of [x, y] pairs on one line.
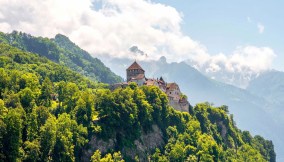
[[135, 65], [172, 86], [138, 77]]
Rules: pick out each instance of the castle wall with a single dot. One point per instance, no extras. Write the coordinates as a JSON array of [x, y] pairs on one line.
[[139, 82], [179, 106], [174, 93], [132, 73], [136, 74]]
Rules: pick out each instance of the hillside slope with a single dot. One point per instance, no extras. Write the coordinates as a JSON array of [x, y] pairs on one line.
[[249, 110], [62, 50], [50, 113]]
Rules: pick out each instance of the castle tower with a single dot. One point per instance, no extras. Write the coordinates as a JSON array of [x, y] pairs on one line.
[[134, 71]]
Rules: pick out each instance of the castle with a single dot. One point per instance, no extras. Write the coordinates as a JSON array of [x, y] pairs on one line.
[[135, 73]]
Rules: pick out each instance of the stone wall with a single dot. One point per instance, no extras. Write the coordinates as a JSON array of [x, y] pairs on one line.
[[143, 147]]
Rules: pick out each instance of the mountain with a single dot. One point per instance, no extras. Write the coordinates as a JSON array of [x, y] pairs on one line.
[[49, 112], [62, 50], [238, 77], [269, 85], [249, 110]]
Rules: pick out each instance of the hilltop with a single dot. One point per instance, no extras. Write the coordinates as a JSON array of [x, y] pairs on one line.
[[136, 74], [61, 50], [49, 111]]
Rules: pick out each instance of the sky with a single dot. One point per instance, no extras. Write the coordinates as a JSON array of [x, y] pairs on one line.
[[236, 37], [224, 25]]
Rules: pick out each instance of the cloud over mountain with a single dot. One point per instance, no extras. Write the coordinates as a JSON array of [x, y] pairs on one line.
[[238, 68], [111, 27], [254, 58]]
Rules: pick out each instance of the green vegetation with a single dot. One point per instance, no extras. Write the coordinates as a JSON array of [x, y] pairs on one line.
[[51, 113], [61, 50], [116, 157]]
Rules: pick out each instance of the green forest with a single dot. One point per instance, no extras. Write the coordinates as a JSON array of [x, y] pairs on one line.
[[64, 52], [52, 111]]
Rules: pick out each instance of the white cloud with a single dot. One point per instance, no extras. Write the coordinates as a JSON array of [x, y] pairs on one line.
[[256, 59], [259, 25], [239, 67], [120, 24], [260, 28], [4, 26], [112, 29], [249, 19]]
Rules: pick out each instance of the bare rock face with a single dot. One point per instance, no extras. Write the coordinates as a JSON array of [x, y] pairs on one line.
[[97, 144], [143, 147], [224, 129], [146, 144]]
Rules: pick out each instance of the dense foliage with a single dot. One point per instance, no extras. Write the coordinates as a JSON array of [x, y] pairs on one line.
[[50, 113], [61, 50], [207, 134]]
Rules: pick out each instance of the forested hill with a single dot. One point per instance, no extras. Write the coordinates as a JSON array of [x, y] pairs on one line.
[[61, 50], [50, 113]]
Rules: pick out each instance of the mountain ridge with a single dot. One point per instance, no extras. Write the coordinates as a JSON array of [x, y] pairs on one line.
[[63, 51]]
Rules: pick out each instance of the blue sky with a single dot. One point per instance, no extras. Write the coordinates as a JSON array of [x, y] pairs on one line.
[[223, 25]]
